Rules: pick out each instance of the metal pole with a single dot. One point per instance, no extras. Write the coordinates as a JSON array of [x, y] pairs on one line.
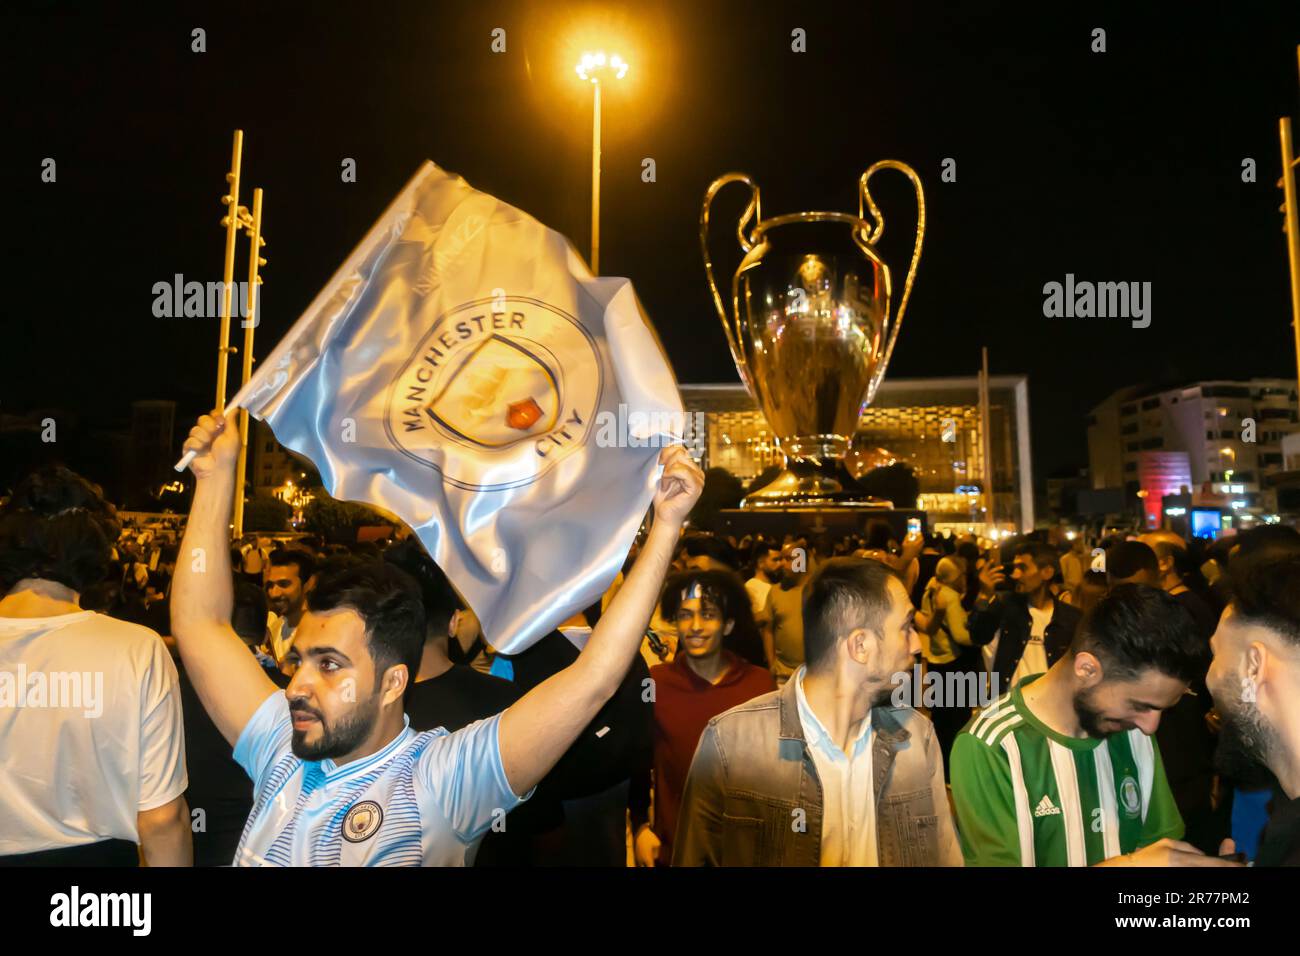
[[231, 222], [250, 326], [1291, 228], [595, 183], [986, 442]]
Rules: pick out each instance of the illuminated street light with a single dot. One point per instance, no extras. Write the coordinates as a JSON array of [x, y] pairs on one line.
[[597, 68]]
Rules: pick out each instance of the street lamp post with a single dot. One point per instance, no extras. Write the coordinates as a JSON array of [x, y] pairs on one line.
[[595, 67]]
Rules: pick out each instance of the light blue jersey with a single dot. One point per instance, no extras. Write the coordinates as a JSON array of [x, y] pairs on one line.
[[426, 799]]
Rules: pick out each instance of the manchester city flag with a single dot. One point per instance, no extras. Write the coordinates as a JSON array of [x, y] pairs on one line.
[[466, 372]]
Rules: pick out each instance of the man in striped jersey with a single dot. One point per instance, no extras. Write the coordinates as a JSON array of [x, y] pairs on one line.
[[1063, 770], [339, 777]]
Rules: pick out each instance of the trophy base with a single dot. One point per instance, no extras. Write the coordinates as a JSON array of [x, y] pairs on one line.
[[803, 483]]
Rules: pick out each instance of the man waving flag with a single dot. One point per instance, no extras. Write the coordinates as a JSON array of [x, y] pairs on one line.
[[464, 371]]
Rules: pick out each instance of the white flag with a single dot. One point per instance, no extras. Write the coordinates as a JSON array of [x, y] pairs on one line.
[[464, 371]]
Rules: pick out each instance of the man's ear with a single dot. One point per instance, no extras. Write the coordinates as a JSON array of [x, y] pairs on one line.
[[395, 681], [861, 644], [1088, 670]]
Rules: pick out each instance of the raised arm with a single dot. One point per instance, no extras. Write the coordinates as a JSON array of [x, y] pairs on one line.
[[226, 676], [537, 730]]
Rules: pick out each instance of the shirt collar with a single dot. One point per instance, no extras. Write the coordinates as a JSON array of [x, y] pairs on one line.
[[334, 772], [814, 729], [729, 660]]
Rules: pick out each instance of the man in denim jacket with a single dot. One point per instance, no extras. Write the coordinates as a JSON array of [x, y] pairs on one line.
[[825, 771]]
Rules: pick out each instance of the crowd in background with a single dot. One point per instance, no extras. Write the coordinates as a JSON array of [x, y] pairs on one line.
[[728, 629]]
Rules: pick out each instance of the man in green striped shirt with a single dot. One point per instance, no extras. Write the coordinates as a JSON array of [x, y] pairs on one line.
[[1064, 770]]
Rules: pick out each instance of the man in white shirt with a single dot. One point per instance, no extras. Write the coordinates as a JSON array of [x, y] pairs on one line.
[[767, 571], [1028, 630], [287, 580], [339, 777], [92, 746]]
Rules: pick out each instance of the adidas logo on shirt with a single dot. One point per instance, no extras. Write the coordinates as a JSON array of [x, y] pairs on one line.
[[1046, 807]]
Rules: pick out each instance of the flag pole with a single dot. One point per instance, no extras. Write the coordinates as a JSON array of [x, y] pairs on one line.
[[253, 229], [1291, 221], [280, 354], [595, 182], [986, 443], [231, 222]]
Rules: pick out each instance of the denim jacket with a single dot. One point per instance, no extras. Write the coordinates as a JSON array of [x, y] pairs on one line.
[[753, 797]]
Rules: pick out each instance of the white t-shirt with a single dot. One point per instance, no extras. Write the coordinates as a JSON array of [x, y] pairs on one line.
[[425, 799], [1034, 659], [281, 632], [91, 731], [757, 590]]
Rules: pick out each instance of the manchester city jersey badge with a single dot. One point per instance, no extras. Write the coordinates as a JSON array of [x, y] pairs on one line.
[[362, 821]]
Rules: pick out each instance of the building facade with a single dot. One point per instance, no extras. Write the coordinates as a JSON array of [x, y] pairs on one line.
[[153, 451], [273, 469], [1232, 433], [932, 425]]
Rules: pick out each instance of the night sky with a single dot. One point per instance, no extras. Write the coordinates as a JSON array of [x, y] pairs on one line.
[[1116, 166]]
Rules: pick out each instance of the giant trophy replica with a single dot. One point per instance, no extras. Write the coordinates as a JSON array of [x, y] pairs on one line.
[[810, 331]]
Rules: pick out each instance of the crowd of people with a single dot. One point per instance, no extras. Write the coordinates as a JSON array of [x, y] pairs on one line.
[[837, 700]]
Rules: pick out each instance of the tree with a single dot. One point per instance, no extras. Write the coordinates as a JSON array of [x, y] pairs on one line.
[[722, 489], [263, 513], [896, 483], [337, 521]]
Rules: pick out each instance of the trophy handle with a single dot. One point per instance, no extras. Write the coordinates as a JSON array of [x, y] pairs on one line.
[[730, 323], [864, 198]]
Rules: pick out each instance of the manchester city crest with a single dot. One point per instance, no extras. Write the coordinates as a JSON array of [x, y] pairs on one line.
[[362, 821], [497, 392]]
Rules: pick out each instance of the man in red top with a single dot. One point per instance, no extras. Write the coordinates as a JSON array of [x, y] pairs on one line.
[[713, 615]]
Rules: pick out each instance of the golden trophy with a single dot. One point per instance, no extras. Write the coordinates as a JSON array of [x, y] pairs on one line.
[[810, 330]]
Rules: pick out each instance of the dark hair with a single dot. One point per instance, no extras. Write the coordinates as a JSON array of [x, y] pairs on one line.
[[844, 593], [761, 549], [1135, 627], [440, 599], [725, 590], [1130, 558], [283, 557], [879, 535], [697, 545], [1043, 556], [56, 526], [1266, 591], [248, 616], [1276, 540], [1091, 588], [387, 600]]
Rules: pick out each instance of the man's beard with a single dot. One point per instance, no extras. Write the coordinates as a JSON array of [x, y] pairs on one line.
[[1245, 740], [344, 737], [1089, 717]]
